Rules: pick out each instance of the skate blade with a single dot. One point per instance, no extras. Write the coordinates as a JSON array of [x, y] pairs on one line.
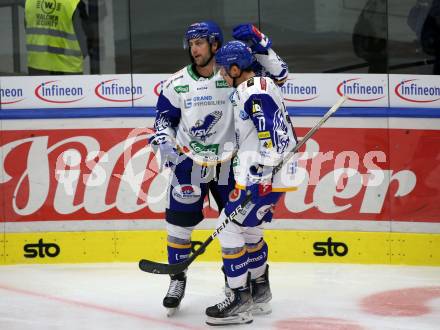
[[171, 311], [261, 309], [241, 318]]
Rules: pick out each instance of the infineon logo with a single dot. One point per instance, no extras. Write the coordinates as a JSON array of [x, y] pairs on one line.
[[11, 95], [360, 91], [299, 93], [411, 91], [52, 92], [158, 87], [112, 91]]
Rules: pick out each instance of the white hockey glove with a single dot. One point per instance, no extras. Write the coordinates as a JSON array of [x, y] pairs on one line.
[[260, 174], [168, 153]]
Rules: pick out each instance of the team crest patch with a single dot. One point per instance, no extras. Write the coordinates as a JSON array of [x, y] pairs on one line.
[[256, 107]]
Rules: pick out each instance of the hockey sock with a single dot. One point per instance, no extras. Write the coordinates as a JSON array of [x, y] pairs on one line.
[[235, 262], [178, 249], [257, 258]]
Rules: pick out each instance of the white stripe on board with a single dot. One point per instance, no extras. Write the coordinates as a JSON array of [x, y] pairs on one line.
[[335, 122], [320, 225]]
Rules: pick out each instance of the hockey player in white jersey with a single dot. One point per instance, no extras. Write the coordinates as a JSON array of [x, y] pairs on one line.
[[195, 137], [265, 134]]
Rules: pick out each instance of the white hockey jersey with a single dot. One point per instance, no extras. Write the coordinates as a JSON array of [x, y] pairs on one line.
[[197, 111], [264, 132]]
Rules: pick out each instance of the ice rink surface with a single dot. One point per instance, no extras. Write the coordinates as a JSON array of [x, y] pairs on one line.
[[305, 296]]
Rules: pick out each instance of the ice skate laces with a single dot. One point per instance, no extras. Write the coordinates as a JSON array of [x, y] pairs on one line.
[[227, 302], [176, 288]]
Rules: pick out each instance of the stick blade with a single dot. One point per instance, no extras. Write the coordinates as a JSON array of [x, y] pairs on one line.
[[160, 268]]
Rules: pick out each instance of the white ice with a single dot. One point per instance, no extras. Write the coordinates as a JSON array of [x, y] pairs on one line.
[[305, 296]]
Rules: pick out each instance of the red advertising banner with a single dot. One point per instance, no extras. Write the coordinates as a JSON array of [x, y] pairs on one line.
[[100, 174]]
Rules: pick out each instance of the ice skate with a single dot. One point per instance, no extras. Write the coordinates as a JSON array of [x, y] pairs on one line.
[[235, 309], [175, 294], [261, 294]]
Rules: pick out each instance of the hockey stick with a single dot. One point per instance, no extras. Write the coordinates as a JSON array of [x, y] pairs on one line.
[[172, 269]]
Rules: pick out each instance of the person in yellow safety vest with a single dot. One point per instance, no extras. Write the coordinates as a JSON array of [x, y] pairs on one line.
[[56, 36]]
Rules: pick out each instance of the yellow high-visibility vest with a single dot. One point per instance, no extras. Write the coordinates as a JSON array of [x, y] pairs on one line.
[[51, 41]]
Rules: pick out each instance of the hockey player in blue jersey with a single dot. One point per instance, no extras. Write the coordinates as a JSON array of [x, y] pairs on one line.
[[195, 137], [264, 134]]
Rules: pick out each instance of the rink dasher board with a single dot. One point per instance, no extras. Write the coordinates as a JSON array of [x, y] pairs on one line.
[[390, 248], [373, 239]]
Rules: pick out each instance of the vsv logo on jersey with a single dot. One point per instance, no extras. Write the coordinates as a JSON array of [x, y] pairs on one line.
[[41, 250], [330, 248], [202, 127]]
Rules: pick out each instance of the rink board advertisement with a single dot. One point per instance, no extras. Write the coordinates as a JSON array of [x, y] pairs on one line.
[[285, 246], [89, 190], [112, 174], [142, 90]]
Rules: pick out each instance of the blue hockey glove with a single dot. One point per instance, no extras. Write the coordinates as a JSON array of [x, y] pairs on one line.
[[249, 33], [258, 190]]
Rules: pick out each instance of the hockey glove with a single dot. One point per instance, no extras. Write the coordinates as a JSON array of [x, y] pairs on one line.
[[259, 181], [249, 33], [168, 153], [260, 174]]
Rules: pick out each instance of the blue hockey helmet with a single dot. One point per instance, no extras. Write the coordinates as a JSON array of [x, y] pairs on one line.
[[207, 29], [234, 52]]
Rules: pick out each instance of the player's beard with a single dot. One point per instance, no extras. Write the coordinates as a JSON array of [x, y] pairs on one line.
[[206, 62]]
